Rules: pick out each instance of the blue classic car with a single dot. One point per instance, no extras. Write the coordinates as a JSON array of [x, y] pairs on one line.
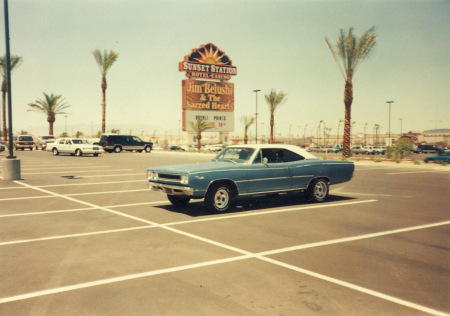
[[248, 170], [442, 156]]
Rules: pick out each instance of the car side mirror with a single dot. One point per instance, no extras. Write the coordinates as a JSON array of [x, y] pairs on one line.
[[265, 160]]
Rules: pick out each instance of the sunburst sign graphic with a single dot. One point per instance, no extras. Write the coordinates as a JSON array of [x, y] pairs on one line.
[[208, 62], [209, 54]]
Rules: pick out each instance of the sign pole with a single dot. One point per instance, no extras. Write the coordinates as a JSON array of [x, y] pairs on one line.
[[11, 166]]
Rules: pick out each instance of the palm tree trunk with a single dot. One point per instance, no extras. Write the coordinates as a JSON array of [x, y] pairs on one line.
[[348, 99], [245, 137], [50, 119], [272, 122], [199, 143], [104, 86]]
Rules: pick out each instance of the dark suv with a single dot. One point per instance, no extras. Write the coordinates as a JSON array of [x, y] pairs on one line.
[[117, 143], [429, 149]]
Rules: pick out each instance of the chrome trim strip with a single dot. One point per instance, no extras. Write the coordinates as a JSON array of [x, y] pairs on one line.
[[171, 189], [268, 192]]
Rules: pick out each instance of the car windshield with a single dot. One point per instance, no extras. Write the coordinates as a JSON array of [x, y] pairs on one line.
[[235, 155], [79, 141]]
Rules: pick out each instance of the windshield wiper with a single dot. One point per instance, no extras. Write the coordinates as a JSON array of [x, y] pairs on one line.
[[231, 160]]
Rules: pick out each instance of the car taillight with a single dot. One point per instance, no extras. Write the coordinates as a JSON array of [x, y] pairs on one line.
[[106, 143]]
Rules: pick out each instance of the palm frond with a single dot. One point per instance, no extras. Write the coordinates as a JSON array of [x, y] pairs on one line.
[[105, 60], [15, 62], [352, 50], [49, 105], [275, 99]]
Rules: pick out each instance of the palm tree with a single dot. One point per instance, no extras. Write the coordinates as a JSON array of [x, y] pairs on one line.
[[104, 61], [50, 105], [247, 121], [350, 51], [15, 61], [199, 127], [273, 100]]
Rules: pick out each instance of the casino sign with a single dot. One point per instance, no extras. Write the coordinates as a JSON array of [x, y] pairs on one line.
[[212, 98], [207, 62]]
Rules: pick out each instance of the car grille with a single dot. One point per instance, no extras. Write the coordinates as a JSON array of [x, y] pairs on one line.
[[95, 148], [169, 177]]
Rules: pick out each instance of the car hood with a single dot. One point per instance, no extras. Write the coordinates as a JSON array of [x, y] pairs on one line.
[[195, 168]]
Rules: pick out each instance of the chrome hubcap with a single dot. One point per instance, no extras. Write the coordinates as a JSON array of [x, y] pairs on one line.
[[320, 190], [221, 198]]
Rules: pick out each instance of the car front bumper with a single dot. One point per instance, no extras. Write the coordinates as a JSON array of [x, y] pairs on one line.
[[171, 189]]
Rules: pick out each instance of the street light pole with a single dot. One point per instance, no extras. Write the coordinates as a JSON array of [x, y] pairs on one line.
[[389, 139], [256, 114]]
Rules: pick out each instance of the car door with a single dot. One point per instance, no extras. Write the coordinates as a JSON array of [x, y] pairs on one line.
[[269, 172], [137, 143], [68, 147]]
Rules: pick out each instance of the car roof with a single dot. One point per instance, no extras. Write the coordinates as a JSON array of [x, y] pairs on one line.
[[292, 148]]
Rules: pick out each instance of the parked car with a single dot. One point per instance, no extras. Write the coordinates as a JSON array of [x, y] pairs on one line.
[[117, 143], [176, 148], [74, 146], [2, 145], [333, 149], [216, 147], [368, 150], [314, 149], [23, 141], [249, 170], [379, 150], [429, 148], [442, 156], [42, 141]]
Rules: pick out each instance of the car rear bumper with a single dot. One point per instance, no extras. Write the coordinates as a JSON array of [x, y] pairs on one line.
[[171, 189]]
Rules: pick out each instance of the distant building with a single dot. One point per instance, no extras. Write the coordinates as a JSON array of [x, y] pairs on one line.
[[439, 137]]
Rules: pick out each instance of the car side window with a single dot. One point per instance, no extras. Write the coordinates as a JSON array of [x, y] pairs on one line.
[[137, 139], [68, 142], [276, 155], [61, 141], [273, 155], [291, 156]]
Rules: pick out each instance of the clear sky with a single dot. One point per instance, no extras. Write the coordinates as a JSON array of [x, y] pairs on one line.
[[274, 44]]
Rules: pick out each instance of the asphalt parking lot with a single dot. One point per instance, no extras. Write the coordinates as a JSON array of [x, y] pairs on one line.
[[84, 236]]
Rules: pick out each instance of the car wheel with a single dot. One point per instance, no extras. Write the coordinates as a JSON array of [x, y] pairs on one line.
[[78, 153], [95, 155], [31, 148], [178, 200], [219, 198], [117, 149], [318, 190], [55, 152], [148, 149]]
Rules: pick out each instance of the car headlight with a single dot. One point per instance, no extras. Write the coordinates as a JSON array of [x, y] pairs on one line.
[[152, 175], [184, 179]]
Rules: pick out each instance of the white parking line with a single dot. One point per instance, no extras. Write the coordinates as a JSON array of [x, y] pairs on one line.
[[107, 192], [100, 232], [283, 210], [68, 170], [88, 183], [356, 287], [244, 255], [425, 171], [65, 168]]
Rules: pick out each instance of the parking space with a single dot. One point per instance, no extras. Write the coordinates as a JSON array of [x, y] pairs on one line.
[[84, 235]]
